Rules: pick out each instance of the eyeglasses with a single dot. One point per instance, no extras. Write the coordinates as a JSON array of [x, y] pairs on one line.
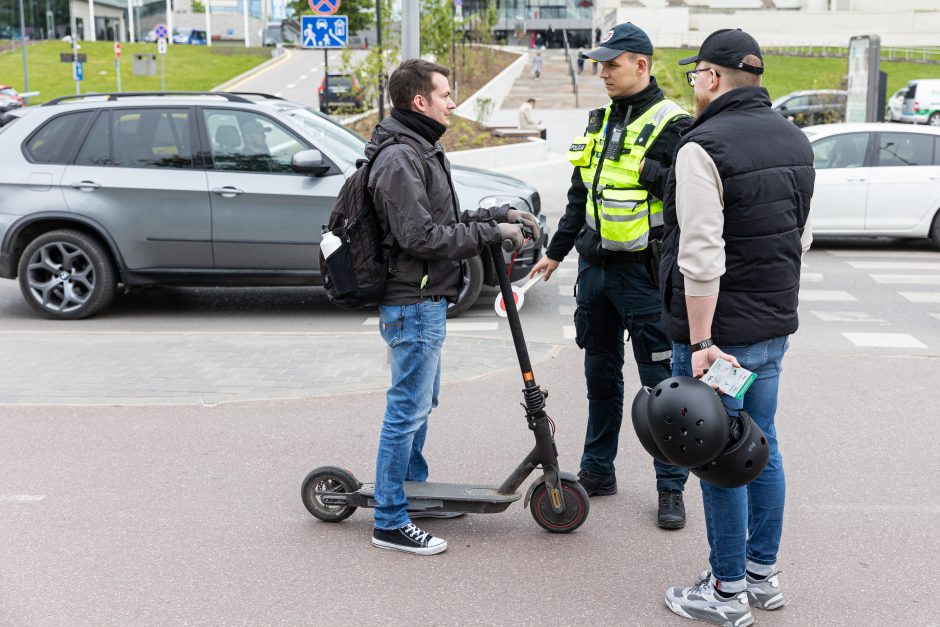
[[693, 74]]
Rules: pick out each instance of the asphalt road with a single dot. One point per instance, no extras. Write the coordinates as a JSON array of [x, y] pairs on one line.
[[149, 514]]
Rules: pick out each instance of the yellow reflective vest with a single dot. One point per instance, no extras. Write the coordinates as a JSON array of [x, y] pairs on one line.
[[618, 207]]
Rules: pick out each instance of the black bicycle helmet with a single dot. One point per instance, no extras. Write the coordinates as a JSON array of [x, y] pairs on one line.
[[743, 459], [641, 424], [688, 421]]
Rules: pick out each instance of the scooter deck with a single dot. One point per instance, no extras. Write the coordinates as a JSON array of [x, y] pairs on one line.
[[449, 491]]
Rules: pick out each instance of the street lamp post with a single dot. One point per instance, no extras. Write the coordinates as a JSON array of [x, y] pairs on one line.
[[23, 41]]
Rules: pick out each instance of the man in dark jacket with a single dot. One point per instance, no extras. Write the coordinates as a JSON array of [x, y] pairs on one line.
[[613, 216], [427, 236], [736, 225]]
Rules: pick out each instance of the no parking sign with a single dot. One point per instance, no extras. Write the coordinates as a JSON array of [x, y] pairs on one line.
[[324, 7]]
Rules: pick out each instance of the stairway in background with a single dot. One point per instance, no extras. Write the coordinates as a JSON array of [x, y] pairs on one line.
[[553, 90]]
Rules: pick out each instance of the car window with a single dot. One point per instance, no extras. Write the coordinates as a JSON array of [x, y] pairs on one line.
[[896, 149], [337, 139], [797, 101], [936, 151], [139, 138], [54, 142], [249, 142], [840, 151]]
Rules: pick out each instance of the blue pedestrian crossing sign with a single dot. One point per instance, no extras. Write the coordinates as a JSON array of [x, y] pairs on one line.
[[324, 31]]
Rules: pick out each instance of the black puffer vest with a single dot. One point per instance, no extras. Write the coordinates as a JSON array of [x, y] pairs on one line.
[[766, 169]]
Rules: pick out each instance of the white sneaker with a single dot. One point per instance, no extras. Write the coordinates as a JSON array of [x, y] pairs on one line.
[[702, 602]]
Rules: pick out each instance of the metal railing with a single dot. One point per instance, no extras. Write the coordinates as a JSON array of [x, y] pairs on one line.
[[569, 57], [930, 56]]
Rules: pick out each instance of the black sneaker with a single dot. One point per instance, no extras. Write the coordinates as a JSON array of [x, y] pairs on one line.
[[409, 539], [596, 484], [434, 513], [671, 510]]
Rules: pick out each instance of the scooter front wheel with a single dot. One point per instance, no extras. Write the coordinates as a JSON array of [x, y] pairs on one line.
[[577, 506], [328, 479]]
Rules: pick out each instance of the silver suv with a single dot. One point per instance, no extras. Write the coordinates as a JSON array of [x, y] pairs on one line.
[[187, 189]]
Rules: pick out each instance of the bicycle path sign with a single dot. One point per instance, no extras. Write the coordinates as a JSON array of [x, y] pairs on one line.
[[324, 31]]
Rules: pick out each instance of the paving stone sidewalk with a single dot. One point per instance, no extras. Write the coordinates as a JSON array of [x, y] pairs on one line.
[[211, 368]]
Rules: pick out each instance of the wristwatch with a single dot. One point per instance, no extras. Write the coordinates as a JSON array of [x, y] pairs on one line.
[[700, 346]]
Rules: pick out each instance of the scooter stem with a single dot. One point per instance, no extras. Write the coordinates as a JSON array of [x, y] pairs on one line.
[[512, 315]]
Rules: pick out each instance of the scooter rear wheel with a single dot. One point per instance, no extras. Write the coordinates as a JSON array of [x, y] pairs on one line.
[[328, 479], [577, 506]]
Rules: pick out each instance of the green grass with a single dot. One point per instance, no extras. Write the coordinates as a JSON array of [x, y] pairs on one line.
[[188, 68], [785, 74]]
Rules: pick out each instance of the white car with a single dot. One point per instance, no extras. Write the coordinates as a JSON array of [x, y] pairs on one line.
[[895, 104], [874, 179]]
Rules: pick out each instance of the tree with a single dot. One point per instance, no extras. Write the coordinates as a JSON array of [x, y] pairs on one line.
[[373, 69], [361, 13], [437, 29]]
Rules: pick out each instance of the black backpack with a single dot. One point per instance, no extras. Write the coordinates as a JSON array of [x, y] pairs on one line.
[[355, 272]]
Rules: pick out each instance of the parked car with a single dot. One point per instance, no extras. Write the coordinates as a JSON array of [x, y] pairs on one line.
[[820, 106], [876, 179], [12, 94], [896, 104], [204, 189], [9, 99], [922, 102], [191, 36], [343, 91]]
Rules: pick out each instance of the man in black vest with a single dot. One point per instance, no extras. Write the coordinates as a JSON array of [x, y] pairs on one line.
[[736, 213]]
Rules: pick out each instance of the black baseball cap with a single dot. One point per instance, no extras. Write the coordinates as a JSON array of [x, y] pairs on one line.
[[621, 38], [727, 47]]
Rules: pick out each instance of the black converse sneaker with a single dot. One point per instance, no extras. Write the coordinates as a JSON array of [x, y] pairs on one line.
[[409, 539]]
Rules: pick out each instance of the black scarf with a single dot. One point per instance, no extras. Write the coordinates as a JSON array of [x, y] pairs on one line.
[[431, 130]]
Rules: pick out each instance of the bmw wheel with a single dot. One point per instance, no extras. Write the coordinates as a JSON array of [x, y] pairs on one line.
[[934, 119], [470, 288], [66, 275]]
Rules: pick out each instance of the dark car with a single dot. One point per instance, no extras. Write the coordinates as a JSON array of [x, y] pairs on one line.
[[819, 106], [340, 91], [100, 193]]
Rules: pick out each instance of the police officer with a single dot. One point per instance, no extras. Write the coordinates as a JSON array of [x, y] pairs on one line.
[[613, 215]]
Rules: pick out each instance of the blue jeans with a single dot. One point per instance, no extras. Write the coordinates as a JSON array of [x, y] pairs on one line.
[[613, 298], [415, 335], [746, 523]]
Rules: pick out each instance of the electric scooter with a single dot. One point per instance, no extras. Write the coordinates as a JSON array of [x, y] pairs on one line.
[[557, 501]]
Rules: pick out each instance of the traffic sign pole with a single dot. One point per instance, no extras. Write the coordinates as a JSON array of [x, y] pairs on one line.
[[117, 63]]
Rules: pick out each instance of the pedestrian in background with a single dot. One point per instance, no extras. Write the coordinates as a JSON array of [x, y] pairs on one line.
[[580, 60], [736, 226], [426, 237], [537, 65], [527, 119], [612, 218]]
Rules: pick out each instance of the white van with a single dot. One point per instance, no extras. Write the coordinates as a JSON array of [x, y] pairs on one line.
[[922, 102]]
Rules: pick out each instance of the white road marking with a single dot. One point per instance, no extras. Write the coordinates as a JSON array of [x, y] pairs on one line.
[[895, 265], [472, 326], [371, 322], [845, 316], [570, 260], [568, 331], [291, 85], [303, 77], [884, 253], [828, 295], [566, 290], [566, 310], [565, 272], [811, 277], [921, 297], [21, 498], [907, 279], [884, 340], [936, 315]]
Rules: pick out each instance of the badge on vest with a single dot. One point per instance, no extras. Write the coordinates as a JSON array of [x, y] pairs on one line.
[[644, 135]]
